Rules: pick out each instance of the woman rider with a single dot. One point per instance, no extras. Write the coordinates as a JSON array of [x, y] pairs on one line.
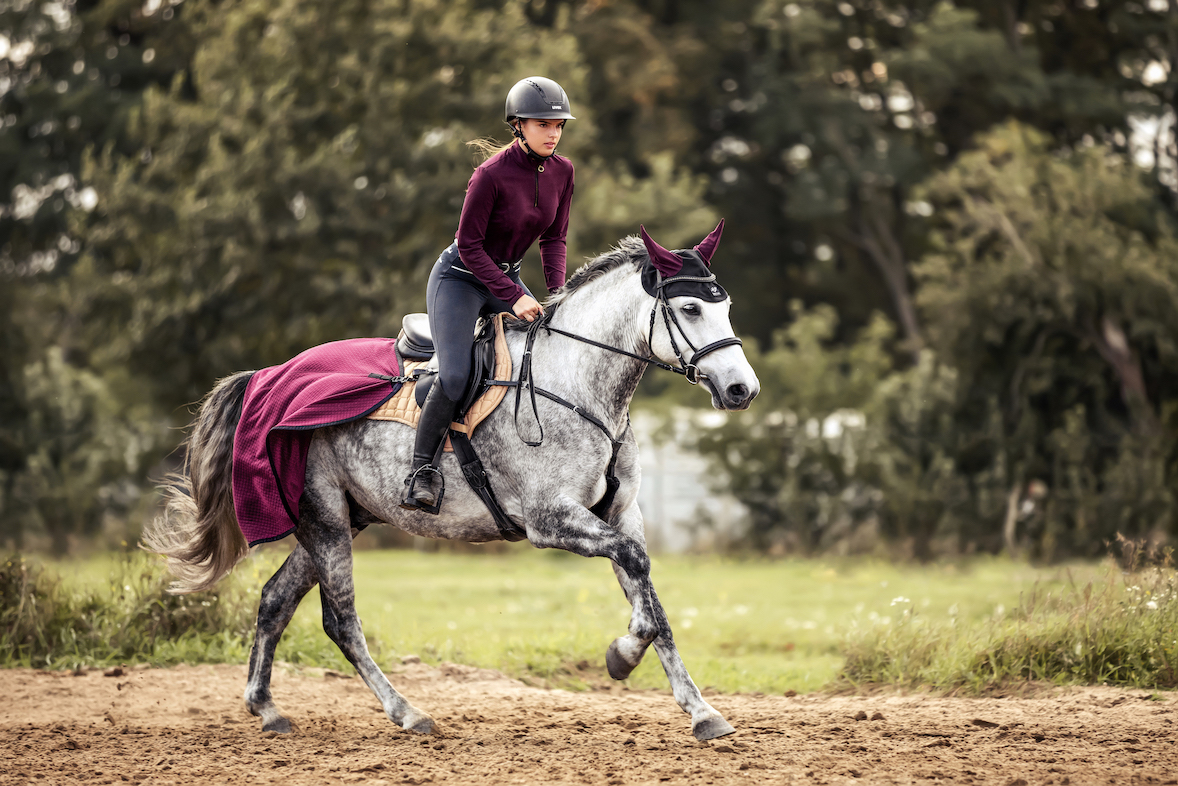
[[519, 195]]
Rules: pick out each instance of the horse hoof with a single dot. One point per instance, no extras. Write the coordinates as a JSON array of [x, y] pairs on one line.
[[280, 725], [710, 728], [420, 724], [619, 668]]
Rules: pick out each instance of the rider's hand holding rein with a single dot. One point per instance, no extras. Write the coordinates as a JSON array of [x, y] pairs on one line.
[[527, 308]]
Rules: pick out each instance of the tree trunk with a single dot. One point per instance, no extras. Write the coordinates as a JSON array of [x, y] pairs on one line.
[[1113, 345], [1009, 525], [884, 251]]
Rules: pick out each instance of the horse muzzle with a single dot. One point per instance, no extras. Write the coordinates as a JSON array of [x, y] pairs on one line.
[[732, 397]]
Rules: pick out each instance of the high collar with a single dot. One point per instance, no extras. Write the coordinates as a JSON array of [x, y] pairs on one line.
[[520, 156]]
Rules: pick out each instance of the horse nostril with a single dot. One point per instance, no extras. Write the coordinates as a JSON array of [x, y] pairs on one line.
[[737, 392]]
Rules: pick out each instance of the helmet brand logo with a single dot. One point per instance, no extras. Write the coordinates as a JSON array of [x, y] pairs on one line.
[[557, 106], [715, 290]]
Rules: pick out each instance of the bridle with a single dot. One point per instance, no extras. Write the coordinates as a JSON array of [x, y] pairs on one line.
[[687, 368]]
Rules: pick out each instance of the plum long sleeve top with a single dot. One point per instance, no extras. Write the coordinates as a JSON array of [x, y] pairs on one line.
[[510, 204]]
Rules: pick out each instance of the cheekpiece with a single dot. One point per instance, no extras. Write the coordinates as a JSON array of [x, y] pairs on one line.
[[684, 272]]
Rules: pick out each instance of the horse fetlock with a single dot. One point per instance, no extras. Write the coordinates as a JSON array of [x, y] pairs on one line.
[[709, 725], [645, 630], [272, 719], [623, 656]]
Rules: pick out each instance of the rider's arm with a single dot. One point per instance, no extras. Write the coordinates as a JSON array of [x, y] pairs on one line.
[[552, 242], [472, 233]]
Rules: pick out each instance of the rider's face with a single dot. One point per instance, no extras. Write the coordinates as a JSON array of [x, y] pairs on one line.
[[542, 135]]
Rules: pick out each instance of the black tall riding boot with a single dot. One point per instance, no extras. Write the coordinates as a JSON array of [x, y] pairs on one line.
[[424, 486]]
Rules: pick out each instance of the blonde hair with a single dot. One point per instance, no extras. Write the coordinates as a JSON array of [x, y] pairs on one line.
[[489, 147]]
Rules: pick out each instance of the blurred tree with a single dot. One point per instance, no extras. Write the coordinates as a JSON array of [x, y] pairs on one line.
[[797, 479], [834, 112], [70, 75], [1051, 282], [1041, 417], [84, 446], [13, 408]]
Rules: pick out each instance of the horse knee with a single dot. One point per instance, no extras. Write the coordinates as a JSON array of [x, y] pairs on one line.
[[634, 561]]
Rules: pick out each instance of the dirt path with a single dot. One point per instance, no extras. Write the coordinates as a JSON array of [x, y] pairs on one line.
[[188, 726]]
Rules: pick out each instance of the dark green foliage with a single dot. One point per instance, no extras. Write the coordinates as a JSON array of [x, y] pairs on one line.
[[1040, 418]]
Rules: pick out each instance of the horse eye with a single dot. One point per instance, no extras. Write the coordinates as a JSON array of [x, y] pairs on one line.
[[691, 309]]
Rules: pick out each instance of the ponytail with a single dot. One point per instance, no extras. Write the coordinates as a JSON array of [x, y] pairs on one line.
[[488, 147]]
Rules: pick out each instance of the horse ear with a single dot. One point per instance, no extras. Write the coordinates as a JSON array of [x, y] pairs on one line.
[[708, 246], [664, 261]]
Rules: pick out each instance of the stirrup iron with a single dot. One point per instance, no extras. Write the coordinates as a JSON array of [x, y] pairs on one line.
[[425, 475]]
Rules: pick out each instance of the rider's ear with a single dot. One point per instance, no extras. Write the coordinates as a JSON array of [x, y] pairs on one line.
[[666, 262], [708, 246]]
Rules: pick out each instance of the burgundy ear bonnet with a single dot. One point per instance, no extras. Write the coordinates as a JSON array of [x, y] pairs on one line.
[[690, 266]]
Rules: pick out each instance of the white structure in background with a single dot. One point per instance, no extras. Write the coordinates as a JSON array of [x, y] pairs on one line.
[[675, 496]]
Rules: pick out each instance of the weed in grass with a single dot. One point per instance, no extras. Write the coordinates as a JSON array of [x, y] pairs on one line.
[[47, 622], [1118, 629]]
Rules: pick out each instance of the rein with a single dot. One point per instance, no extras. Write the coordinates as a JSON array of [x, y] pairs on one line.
[[473, 470], [688, 369]]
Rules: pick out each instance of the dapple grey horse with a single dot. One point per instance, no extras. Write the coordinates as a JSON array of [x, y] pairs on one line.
[[599, 335]]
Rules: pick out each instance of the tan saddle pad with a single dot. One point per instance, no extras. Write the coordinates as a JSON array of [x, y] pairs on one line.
[[403, 408]]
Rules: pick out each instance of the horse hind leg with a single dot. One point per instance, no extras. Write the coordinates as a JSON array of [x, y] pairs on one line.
[[280, 598], [323, 532]]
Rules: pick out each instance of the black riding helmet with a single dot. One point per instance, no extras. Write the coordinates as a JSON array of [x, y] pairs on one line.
[[538, 98]]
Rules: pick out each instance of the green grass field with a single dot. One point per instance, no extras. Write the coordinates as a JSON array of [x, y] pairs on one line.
[[547, 617], [754, 625]]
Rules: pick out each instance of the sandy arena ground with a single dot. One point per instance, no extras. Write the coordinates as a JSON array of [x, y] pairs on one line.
[[188, 725]]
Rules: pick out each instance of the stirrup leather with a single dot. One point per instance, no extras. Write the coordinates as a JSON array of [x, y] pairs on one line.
[[424, 474]]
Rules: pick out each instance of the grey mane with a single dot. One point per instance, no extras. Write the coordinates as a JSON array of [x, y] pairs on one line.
[[629, 250]]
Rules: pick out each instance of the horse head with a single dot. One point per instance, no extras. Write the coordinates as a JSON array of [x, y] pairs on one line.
[[690, 325]]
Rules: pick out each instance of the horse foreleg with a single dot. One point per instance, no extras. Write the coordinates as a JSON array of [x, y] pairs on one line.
[[706, 722], [280, 598], [323, 532], [626, 653], [573, 528]]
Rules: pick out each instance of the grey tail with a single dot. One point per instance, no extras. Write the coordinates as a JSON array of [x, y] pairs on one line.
[[198, 530]]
